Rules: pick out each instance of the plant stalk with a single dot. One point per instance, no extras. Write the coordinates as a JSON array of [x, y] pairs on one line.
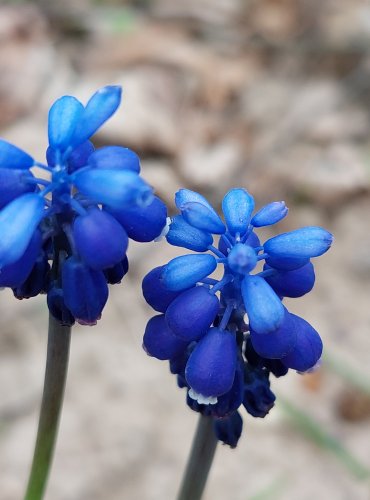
[[200, 460], [52, 400]]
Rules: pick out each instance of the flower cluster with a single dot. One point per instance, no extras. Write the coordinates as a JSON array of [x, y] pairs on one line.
[[80, 218], [223, 338]]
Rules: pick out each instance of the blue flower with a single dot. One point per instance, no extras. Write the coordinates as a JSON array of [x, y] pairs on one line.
[[67, 235], [224, 337]]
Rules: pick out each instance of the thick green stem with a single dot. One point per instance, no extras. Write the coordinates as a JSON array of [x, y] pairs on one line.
[[55, 376], [200, 461]]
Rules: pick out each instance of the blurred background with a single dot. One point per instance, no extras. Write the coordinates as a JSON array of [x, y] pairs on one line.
[[270, 95]]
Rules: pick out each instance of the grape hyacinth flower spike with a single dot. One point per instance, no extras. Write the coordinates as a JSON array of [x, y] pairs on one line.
[[224, 337], [66, 234]]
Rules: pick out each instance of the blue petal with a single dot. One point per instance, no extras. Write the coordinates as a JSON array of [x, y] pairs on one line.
[[154, 291], [18, 221], [160, 342], [200, 216], [229, 402], [286, 263], [252, 240], [115, 188], [258, 398], [237, 207], [302, 243], [15, 274], [57, 307], [100, 107], [85, 291], [308, 348], [182, 234], [270, 214], [228, 430], [64, 115], [100, 240], [278, 343], [184, 271], [14, 183], [115, 158], [191, 314], [264, 308], [211, 367], [143, 223], [187, 196], [37, 281], [295, 283], [13, 157]]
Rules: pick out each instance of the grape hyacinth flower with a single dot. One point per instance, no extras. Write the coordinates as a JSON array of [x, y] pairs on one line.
[[225, 337], [80, 219], [66, 235]]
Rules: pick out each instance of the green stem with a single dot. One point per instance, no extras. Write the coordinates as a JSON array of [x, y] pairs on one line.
[[55, 376], [200, 461]]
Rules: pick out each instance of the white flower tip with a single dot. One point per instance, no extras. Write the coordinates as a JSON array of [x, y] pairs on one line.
[[165, 230], [202, 400]]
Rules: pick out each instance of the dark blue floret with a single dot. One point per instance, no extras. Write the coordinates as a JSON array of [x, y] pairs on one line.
[[116, 273], [237, 326], [258, 398], [228, 430], [145, 222], [160, 342], [155, 292], [85, 291], [191, 313]]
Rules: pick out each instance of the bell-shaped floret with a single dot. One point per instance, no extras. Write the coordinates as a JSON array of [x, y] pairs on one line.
[[115, 158], [117, 189], [182, 234], [308, 349], [228, 430], [191, 314], [292, 283], [210, 370], [18, 222], [160, 342], [115, 273], [202, 217], [100, 240], [270, 214], [237, 207], [301, 243], [143, 223], [85, 291], [13, 157], [64, 115], [242, 258], [185, 271], [14, 183], [57, 307], [98, 110], [258, 398], [16, 273], [37, 281], [264, 308], [155, 292], [278, 343]]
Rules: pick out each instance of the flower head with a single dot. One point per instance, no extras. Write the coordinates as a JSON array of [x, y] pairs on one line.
[[80, 218], [225, 337]]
